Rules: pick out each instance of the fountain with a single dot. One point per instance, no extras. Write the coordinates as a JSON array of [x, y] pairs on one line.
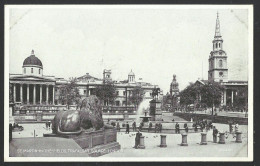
[[143, 107], [145, 117]]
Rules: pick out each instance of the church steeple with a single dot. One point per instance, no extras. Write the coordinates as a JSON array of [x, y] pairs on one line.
[[218, 70], [217, 29]]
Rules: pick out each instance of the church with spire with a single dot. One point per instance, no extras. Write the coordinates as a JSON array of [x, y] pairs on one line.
[[218, 71]]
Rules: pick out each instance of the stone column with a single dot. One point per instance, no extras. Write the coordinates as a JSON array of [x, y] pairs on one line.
[[141, 145], [28, 93], [238, 137], [232, 97], [40, 94], [53, 95], [203, 139], [221, 138], [225, 97], [184, 139], [47, 94], [21, 93], [163, 141], [14, 94], [34, 94]]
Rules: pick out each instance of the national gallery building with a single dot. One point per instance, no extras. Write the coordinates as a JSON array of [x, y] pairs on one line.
[[36, 97]]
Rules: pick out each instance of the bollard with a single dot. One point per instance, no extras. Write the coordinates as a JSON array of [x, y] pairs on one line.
[[203, 139], [141, 145], [221, 138], [184, 139], [163, 141], [10, 132], [238, 137]]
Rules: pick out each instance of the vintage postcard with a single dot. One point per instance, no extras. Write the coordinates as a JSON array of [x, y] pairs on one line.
[[128, 83]]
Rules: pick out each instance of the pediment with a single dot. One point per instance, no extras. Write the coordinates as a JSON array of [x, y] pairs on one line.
[[31, 78]]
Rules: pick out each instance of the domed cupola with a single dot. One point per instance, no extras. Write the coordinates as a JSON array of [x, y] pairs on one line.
[[131, 77], [32, 65]]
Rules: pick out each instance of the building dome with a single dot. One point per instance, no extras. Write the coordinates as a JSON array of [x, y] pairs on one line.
[[32, 60], [131, 73]]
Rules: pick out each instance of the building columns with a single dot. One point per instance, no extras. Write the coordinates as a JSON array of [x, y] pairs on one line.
[[225, 97], [34, 94], [40, 94], [47, 94], [232, 97], [53, 95], [21, 93], [28, 93], [14, 94]]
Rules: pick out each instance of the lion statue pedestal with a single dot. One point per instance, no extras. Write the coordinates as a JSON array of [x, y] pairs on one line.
[[86, 127]]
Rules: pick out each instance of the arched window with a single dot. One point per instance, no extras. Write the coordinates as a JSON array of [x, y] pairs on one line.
[[24, 70], [220, 63], [219, 45], [216, 45], [39, 71], [31, 70]]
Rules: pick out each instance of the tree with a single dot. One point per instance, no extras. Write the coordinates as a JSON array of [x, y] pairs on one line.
[[241, 99], [11, 97], [137, 95], [211, 94], [189, 95], [106, 92], [69, 93]]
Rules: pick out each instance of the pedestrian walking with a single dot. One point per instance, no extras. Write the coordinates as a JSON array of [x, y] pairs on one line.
[[127, 128], [118, 126], [137, 139], [150, 126], [177, 128], [215, 134]]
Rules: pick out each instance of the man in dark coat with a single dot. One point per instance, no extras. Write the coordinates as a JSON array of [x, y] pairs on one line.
[[127, 128], [134, 126], [215, 134], [150, 126], [186, 127], [160, 127], [177, 128], [118, 126], [137, 139]]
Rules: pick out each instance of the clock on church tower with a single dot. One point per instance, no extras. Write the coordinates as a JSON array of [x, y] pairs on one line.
[[218, 70]]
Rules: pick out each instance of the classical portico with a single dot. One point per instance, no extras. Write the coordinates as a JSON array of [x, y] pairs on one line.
[[28, 92], [32, 87]]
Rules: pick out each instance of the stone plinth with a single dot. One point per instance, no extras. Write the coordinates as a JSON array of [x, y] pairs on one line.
[[239, 137], [221, 138], [203, 139], [141, 145], [101, 139], [184, 139], [163, 141], [155, 110]]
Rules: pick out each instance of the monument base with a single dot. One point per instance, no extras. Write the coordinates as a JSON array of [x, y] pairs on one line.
[[141, 147], [95, 143], [184, 144]]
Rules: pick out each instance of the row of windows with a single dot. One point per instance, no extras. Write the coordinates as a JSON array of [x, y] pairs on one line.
[[24, 70], [220, 64], [217, 45]]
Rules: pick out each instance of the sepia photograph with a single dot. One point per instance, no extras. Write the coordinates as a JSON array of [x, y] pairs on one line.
[[128, 83]]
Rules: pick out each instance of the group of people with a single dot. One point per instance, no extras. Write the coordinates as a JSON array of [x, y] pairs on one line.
[[203, 124], [158, 127]]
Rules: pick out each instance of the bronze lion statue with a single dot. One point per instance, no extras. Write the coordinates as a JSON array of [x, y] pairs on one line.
[[88, 117]]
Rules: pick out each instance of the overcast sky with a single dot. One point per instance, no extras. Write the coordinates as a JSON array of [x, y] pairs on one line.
[[154, 43]]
